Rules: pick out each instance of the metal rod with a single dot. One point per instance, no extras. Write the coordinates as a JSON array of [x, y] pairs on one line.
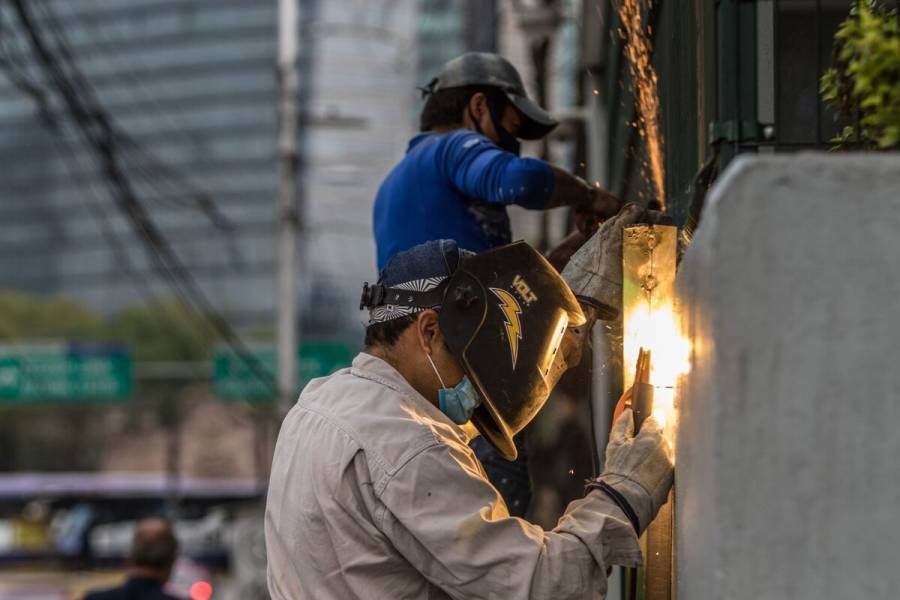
[[648, 269], [817, 25], [776, 64], [737, 80]]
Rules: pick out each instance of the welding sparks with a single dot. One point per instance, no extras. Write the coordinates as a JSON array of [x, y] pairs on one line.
[[644, 88]]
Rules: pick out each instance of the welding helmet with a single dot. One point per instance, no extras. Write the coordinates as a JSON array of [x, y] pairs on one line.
[[489, 69], [503, 313]]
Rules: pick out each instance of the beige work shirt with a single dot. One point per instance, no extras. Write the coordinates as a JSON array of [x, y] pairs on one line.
[[374, 494]]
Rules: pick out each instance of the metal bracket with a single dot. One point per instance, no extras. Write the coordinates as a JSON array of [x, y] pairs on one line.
[[739, 131]]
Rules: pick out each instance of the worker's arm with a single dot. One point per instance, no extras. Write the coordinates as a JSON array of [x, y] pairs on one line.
[[453, 527], [571, 190], [479, 169]]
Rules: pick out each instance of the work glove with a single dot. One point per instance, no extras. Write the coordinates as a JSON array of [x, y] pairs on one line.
[[639, 471], [594, 273], [559, 255]]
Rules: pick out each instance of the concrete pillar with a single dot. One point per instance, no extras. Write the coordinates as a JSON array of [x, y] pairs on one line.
[[788, 460]]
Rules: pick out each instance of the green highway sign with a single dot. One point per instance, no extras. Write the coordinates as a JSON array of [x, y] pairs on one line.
[[232, 379], [63, 372]]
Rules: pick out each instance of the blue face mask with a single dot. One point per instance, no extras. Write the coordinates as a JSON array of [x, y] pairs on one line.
[[458, 402]]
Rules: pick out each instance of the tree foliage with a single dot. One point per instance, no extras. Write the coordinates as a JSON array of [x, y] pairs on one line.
[[162, 331], [26, 316], [158, 331], [863, 84]]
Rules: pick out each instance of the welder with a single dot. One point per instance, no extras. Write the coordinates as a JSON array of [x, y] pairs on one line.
[[374, 491], [458, 177]]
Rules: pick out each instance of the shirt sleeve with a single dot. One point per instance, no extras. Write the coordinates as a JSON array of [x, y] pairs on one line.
[[479, 169], [452, 526]]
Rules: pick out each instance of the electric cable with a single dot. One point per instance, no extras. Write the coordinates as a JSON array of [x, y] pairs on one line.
[[96, 130], [61, 145], [200, 199]]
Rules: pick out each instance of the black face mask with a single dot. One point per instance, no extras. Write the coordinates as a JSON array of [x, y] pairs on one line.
[[506, 141]]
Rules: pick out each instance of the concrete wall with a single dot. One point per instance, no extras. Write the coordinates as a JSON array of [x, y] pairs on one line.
[[788, 463]]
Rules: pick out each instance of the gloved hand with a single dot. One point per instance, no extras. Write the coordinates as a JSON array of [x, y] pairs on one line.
[[638, 469], [594, 273], [603, 203], [560, 254]]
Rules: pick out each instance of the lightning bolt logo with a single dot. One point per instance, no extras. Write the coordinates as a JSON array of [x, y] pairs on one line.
[[511, 310]]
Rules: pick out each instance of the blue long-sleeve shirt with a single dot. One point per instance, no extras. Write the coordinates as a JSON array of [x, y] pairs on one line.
[[456, 186]]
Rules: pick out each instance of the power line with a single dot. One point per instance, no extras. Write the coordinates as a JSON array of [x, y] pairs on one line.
[[97, 131], [201, 199], [141, 284]]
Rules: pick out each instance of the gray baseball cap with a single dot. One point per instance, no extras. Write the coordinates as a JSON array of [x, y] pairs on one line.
[[486, 68]]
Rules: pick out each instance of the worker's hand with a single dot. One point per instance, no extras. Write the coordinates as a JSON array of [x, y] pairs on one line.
[[601, 206], [560, 255], [604, 204], [595, 272], [586, 221], [639, 468]]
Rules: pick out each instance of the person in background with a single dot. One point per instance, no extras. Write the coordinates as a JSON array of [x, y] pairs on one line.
[[457, 179], [153, 554]]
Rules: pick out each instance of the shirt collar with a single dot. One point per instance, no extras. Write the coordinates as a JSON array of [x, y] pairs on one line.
[[375, 369]]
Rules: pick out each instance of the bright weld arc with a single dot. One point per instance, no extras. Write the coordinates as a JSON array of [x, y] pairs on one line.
[[658, 330]]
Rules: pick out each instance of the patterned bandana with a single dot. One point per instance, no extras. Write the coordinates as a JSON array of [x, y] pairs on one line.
[[421, 268], [380, 314]]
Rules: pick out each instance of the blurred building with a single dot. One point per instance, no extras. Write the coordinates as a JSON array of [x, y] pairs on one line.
[[192, 83]]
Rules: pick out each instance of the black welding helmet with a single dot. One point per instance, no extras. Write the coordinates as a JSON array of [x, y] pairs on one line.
[[503, 313], [504, 316], [489, 69]]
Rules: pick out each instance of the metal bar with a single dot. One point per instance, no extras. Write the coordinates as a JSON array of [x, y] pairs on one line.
[[737, 80], [631, 147], [648, 265], [765, 67], [660, 583], [793, 145], [776, 63], [818, 28], [614, 89]]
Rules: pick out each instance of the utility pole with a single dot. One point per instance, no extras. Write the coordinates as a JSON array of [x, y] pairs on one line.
[[539, 21], [288, 214]]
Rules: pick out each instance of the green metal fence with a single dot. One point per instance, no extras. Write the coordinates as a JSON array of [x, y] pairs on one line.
[[734, 76]]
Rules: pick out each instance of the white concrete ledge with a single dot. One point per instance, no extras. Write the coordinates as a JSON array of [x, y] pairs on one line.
[[788, 466]]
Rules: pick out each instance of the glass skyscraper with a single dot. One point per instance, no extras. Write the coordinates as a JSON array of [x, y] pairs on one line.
[[192, 83]]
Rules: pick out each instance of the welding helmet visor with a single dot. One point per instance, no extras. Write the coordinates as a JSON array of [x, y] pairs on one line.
[[503, 315]]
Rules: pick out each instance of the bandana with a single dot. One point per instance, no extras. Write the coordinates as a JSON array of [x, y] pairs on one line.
[[387, 312]]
